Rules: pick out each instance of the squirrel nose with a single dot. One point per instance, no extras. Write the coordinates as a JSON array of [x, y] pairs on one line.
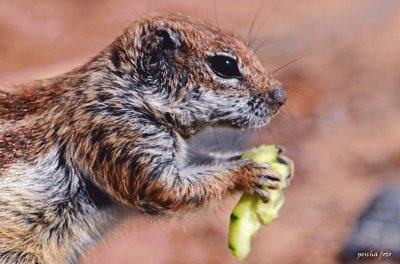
[[278, 94]]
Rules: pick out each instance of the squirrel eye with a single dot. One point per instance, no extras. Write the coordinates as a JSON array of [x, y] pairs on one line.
[[224, 66]]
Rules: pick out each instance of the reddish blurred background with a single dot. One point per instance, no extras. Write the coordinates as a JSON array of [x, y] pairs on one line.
[[341, 125]]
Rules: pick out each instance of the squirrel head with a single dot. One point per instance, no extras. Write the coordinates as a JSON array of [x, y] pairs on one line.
[[189, 75]]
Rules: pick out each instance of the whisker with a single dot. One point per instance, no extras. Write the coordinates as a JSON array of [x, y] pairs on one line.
[[268, 17], [289, 114], [216, 138], [216, 13], [271, 62], [195, 10], [249, 40], [296, 91], [234, 141], [290, 63], [279, 118], [242, 136], [264, 44], [272, 133]]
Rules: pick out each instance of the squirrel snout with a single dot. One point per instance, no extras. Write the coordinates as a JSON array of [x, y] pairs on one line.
[[277, 94]]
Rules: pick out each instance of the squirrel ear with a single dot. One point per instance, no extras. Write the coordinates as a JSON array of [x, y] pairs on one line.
[[161, 39]]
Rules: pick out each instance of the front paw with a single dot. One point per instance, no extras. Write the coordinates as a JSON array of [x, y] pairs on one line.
[[288, 162], [257, 176], [265, 178]]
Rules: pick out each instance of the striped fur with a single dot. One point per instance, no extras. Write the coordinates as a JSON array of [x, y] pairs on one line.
[[109, 137]]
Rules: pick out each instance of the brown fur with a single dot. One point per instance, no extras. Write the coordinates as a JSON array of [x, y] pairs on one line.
[[111, 133]]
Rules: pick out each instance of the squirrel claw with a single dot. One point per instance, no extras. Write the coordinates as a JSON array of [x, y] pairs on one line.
[[271, 181], [261, 193]]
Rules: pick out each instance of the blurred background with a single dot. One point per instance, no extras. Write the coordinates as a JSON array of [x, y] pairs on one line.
[[341, 124]]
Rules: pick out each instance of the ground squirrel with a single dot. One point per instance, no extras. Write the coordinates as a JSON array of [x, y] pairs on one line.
[[110, 136]]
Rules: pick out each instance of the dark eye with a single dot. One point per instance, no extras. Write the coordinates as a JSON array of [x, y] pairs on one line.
[[224, 66]]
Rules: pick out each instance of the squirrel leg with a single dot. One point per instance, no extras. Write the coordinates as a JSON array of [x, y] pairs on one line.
[[195, 186]]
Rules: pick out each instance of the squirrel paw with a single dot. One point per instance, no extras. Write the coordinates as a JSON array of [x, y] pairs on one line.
[[260, 175]]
